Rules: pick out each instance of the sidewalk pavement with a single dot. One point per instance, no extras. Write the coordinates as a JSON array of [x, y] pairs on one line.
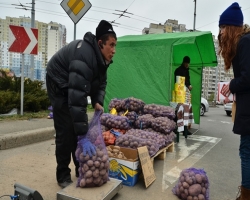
[[22, 132]]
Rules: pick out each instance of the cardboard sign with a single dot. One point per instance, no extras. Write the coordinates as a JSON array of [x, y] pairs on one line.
[[146, 165]]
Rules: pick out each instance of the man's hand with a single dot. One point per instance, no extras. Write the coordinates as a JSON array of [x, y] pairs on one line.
[[190, 87], [98, 107]]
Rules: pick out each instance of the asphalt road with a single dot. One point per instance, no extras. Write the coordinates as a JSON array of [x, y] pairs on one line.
[[213, 148]]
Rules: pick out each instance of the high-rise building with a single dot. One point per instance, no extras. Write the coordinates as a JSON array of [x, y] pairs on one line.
[[213, 75], [50, 40]]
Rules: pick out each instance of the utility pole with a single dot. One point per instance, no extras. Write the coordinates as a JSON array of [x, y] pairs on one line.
[[32, 26], [194, 14]]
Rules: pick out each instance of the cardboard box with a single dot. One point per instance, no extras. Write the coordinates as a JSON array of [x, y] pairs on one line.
[[126, 170]]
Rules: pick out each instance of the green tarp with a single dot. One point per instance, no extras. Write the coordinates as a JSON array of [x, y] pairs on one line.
[[144, 66]]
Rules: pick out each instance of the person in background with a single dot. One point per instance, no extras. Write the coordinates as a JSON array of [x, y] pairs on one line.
[[234, 46], [76, 71], [183, 70]]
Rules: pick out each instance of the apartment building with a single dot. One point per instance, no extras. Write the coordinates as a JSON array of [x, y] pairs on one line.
[[170, 26], [213, 75], [50, 40]]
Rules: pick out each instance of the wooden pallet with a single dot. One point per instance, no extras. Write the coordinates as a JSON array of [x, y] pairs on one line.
[[161, 154]]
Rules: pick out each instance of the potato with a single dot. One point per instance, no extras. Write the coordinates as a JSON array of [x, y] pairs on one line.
[[201, 197], [96, 173], [89, 180], [194, 190], [102, 172], [92, 168], [101, 165], [183, 196], [97, 180], [185, 185], [105, 158], [204, 190], [82, 182], [99, 153], [88, 174], [189, 198], [117, 147], [198, 178], [93, 158], [85, 168], [195, 198], [97, 164], [90, 163]]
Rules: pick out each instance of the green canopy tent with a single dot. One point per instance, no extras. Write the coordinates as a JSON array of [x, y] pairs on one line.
[[144, 66]]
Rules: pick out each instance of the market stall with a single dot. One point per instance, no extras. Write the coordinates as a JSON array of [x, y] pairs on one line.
[[144, 64]]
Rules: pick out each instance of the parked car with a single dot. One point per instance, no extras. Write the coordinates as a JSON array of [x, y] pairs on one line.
[[228, 108], [204, 106]]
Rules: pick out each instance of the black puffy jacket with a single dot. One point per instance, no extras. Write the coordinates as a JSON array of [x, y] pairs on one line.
[[79, 70]]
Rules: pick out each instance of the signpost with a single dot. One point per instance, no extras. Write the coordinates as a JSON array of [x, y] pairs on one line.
[[76, 9], [23, 40]]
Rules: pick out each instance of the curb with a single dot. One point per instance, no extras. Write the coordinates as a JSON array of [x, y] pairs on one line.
[[21, 138]]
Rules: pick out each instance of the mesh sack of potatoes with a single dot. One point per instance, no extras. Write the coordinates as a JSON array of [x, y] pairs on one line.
[[133, 104], [93, 169], [163, 125], [116, 103], [168, 138], [118, 122], [131, 141], [104, 118], [192, 184], [159, 111], [143, 121], [148, 135]]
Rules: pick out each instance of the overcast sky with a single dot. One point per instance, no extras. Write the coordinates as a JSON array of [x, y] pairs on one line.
[[143, 12]]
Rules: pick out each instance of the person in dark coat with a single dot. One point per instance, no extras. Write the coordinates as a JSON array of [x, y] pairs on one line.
[[234, 45], [183, 70], [76, 71]]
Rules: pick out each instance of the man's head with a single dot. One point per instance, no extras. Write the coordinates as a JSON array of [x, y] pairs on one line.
[[106, 39], [186, 61]]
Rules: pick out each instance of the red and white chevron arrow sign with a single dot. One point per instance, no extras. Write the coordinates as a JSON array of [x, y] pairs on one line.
[[23, 40]]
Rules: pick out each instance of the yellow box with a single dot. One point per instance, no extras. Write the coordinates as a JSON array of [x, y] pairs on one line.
[[180, 80]]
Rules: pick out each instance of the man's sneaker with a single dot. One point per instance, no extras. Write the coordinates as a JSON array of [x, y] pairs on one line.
[[65, 183]]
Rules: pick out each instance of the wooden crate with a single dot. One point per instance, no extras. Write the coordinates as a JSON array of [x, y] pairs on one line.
[[161, 154]]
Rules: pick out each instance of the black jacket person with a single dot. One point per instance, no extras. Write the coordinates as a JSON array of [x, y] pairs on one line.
[[76, 71], [183, 70]]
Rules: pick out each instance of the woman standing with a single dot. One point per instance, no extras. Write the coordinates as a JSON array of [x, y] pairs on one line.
[[234, 45]]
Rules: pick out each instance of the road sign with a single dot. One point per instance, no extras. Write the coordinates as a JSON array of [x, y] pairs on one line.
[[23, 40], [76, 9]]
